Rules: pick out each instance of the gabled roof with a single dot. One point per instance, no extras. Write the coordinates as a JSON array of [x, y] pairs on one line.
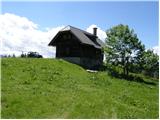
[[83, 36]]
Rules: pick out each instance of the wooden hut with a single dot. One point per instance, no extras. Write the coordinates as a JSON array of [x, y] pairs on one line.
[[79, 47]]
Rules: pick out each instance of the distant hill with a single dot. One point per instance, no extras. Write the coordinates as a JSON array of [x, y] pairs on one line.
[[50, 88]]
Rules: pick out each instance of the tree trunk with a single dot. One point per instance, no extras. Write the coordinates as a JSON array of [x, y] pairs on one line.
[[127, 64], [124, 70], [127, 71], [123, 63]]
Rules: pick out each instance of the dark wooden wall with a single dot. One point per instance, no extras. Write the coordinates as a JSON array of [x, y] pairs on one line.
[[69, 46]]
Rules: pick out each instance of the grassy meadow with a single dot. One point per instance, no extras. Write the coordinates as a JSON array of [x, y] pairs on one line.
[[50, 88]]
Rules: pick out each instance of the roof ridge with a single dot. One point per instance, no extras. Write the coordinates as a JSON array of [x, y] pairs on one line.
[[65, 27], [81, 30]]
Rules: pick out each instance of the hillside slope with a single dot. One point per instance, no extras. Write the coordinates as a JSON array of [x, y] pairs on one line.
[[50, 88]]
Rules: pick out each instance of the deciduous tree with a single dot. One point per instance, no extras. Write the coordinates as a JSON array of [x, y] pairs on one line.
[[122, 47]]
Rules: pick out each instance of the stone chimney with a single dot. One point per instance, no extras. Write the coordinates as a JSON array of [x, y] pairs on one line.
[[95, 31]]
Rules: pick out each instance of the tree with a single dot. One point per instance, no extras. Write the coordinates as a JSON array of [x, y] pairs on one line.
[[137, 64], [23, 55], [9, 56], [13, 56], [150, 63], [122, 47]]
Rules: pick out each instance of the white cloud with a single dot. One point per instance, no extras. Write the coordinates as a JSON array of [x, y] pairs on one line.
[[100, 33], [156, 50], [20, 34]]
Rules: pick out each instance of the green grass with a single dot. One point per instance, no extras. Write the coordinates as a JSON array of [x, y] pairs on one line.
[[50, 88]]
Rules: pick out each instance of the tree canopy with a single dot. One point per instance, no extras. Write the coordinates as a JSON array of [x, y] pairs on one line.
[[150, 64], [122, 47]]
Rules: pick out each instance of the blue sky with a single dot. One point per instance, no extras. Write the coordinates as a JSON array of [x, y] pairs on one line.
[[141, 16]]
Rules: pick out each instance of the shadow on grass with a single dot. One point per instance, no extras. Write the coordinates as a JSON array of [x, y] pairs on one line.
[[130, 77]]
